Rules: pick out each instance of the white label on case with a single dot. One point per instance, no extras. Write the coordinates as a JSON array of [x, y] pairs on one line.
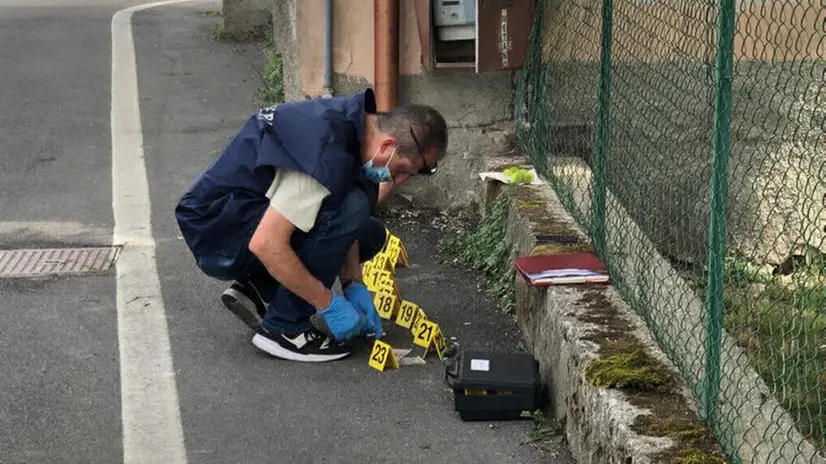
[[479, 365]]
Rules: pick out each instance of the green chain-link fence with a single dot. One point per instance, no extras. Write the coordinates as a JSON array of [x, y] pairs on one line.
[[689, 138]]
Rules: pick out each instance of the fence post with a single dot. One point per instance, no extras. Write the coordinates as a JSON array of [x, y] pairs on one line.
[[603, 133], [719, 194]]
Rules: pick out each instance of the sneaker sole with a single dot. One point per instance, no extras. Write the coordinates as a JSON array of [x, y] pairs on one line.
[[239, 305], [265, 344]]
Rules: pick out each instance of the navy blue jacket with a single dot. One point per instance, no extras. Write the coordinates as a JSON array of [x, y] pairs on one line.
[[321, 138]]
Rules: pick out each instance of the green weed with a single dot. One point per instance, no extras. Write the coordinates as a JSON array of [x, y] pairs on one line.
[[781, 323], [485, 249], [544, 430], [273, 80]]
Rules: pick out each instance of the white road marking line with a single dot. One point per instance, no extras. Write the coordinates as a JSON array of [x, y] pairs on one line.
[[152, 430]]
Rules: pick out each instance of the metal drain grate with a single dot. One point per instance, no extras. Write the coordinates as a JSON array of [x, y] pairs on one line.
[[49, 261]]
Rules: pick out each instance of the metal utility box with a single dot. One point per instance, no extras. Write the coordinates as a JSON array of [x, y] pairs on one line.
[[478, 35], [496, 386], [455, 19]]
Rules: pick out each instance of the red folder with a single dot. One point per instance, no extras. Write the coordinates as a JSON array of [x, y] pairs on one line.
[[561, 268]]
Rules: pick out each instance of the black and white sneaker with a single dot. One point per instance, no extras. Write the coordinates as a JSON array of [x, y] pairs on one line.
[[308, 346], [244, 301]]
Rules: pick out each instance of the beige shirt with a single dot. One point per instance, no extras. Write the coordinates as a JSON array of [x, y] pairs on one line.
[[297, 197]]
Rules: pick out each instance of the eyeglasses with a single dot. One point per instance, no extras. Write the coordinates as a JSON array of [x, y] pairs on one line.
[[425, 170]]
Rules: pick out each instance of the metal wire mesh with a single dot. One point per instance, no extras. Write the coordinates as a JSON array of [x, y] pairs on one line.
[[689, 139]]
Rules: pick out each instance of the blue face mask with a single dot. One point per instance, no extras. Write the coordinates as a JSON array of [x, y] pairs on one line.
[[377, 175]]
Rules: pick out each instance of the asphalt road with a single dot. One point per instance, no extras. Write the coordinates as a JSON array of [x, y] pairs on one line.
[[60, 392]]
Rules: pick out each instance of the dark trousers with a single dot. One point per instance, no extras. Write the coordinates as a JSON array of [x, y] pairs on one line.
[[322, 250]]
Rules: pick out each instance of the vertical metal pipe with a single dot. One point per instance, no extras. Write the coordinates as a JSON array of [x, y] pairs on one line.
[[719, 196], [603, 129], [386, 53], [328, 48]]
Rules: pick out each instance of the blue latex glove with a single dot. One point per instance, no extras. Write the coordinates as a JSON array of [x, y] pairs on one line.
[[342, 318], [361, 298]]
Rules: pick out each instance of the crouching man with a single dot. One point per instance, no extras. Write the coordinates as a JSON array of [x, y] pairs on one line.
[[289, 205]]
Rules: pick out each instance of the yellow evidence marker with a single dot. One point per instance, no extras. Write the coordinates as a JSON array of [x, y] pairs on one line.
[[381, 357], [439, 345], [393, 252], [386, 302], [403, 259], [395, 248], [407, 314], [387, 282], [383, 261], [367, 271], [427, 334], [379, 278], [420, 316]]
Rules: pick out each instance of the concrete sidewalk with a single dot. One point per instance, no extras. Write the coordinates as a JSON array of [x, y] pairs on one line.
[[239, 405]]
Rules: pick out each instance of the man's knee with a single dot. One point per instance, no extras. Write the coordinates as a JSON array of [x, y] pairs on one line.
[[354, 219], [371, 239], [354, 210]]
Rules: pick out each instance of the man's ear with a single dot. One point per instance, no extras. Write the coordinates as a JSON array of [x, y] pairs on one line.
[[388, 142]]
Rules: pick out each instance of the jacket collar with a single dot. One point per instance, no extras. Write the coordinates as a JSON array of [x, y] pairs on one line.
[[361, 104]]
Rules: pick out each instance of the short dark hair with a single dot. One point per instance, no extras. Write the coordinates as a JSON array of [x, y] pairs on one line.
[[418, 128]]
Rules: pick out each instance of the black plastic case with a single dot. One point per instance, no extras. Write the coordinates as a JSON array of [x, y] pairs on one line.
[[496, 386]]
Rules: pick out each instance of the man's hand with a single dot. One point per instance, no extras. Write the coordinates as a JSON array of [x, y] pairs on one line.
[[271, 244], [342, 319], [358, 294]]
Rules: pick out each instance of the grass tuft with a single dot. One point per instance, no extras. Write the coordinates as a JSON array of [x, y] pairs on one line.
[[485, 249], [628, 370], [544, 430], [273, 79], [780, 321]]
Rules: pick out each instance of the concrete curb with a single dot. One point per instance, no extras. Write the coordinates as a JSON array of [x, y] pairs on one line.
[[569, 327]]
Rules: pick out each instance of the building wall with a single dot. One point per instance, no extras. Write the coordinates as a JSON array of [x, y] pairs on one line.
[[352, 41], [478, 107]]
